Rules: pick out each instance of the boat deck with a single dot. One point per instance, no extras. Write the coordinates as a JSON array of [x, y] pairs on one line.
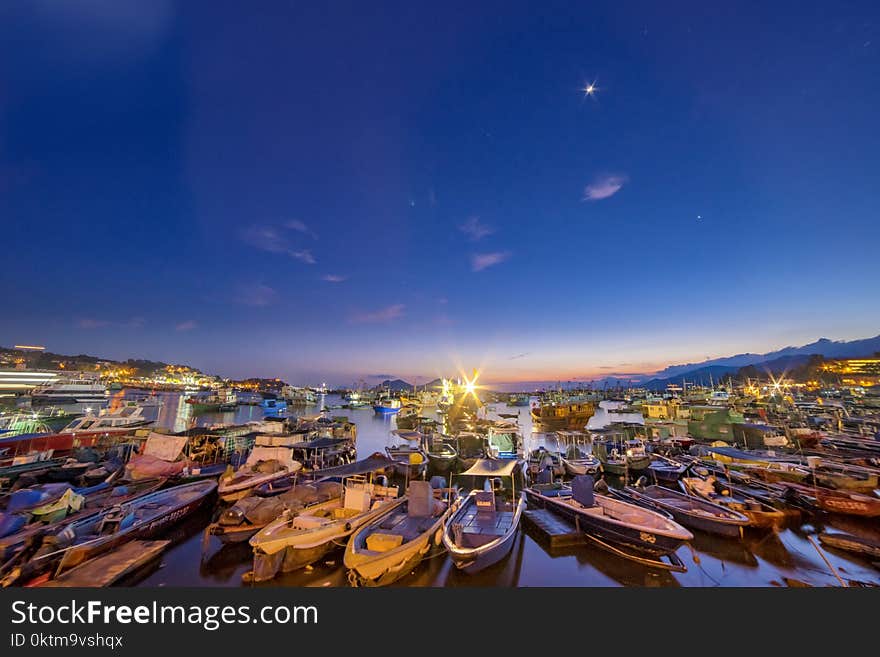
[[409, 527], [557, 531], [112, 567]]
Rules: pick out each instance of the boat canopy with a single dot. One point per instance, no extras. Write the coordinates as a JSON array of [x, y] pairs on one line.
[[376, 461], [491, 468], [163, 446], [407, 435], [320, 443]]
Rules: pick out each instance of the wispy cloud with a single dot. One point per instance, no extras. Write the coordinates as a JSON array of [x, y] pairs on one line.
[[604, 186], [93, 323], [480, 261], [475, 229], [518, 356], [304, 256], [377, 316], [301, 227], [89, 323], [334, 278], [258, 295], [188, 325], [266, 238], [269, 239], [380, 376], [442, 301]]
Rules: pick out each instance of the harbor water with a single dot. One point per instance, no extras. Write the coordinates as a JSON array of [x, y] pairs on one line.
[[784, 558]]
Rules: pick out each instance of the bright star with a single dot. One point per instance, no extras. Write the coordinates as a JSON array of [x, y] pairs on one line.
[[590, 89]]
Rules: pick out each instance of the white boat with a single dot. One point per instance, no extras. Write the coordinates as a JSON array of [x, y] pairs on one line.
[[70, 391], [129, 416], [271, 458], [291, 543]]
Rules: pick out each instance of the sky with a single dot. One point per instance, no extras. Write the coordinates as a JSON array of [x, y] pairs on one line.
[[344, 190]]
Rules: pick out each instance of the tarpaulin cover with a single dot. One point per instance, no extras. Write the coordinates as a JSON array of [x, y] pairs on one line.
[[492, 468], [164, 447]]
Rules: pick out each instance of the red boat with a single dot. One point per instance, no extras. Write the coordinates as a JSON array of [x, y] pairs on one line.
[[61, 444], [851, 503]]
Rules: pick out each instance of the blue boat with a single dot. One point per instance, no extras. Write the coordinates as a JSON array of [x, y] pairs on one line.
[[387, 406]]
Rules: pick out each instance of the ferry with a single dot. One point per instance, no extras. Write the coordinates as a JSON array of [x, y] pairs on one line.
[[70, 391], [129, 416]]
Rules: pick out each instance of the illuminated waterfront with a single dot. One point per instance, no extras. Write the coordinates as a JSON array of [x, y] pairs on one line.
[[768, 559]]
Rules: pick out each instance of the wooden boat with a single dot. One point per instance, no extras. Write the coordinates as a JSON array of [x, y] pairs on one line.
[[760, 514], [622, 458], [146, 516], [581, 466], [850, 543], [556, 415], [53, 513], [666, 471], [691, 511], [482, 530], [629, 530], [393, 544], [288, 544], [250, 514], [270, 459], [840, 501], [442, 456]]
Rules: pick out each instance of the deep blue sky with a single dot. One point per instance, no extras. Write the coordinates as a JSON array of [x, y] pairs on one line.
[[178, 180]]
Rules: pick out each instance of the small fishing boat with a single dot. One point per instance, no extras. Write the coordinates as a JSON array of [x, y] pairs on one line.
[[441, 454], [145, 516], [393, 544], [666, 471], [622, 458], [851, 543], [629, 530], [482, 530], [518, 400], [386, 406], [26, 519], [250, 514], [409, 458], [541, 459], [866, 505], [290, 543], [760, 514], [691, 511], [271, 458], [470, 447]]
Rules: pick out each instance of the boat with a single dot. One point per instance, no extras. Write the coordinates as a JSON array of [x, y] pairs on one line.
[[44, 509], [518, 400], [541, 459], [271, 458], [145, 516], [386, 406], [622, 457], [128, 416], [442, 456], [222, 401], [760, 514], [470, 447], [866, 505], [629, 530], [250, 514], [296, 396], [666, 471], [409, 457], [483, 529], [288, 544], [394, 543], [691, 511], [851, 543], [555, 415], [67, 391], [504, 441]]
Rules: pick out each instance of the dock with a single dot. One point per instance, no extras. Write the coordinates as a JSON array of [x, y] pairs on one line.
[[108, 569], [557, 531]]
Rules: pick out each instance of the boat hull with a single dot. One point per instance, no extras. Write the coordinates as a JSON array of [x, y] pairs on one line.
[[473, 560], [650, 543]]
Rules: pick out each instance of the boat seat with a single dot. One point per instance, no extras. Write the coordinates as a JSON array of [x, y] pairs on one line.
[[393, 520]]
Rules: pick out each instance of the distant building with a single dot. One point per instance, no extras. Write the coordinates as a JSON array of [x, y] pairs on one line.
[[855, 371]]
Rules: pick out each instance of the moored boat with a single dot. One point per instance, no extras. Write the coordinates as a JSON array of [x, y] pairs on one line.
[[626, 529], [271, 458], [483, 529], [691, 511], [393, 544]]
